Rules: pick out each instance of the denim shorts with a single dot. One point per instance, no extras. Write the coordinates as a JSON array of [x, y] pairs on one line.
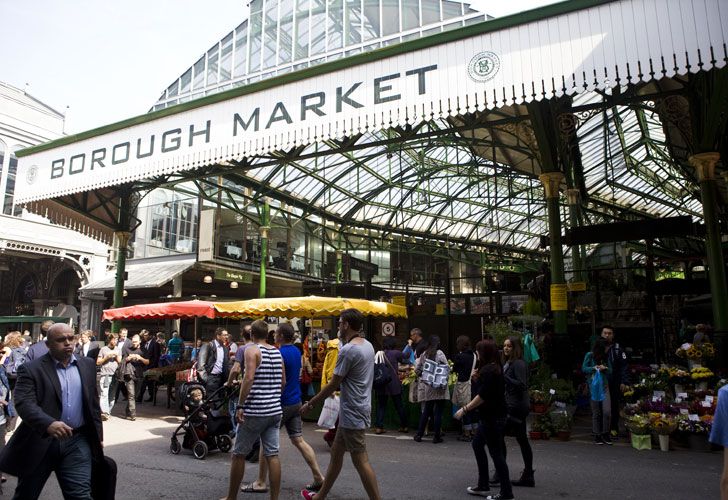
[[267, 429], [292, 420]]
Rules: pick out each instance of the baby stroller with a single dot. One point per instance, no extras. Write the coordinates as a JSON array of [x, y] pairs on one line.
[[201, 430]]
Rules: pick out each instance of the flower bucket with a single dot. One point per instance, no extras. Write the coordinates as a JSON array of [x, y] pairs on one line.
[[539, 408], [563, 435], [641, 441], [534, 435], [664, 442], [699, 442]]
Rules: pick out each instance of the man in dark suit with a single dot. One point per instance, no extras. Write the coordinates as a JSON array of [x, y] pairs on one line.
[[61, 429], [152, 351], [86, 347], [213, 362]]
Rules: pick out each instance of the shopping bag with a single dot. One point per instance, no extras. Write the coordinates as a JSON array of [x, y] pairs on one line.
[[641, 442], [329, 413], [413, 397], [530, 353], [435, 374], [596, 387]]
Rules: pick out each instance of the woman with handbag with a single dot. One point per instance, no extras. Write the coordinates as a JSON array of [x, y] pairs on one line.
[[515, 375], [433, 395], [392, 357], [491, 402], [464, 366], [597, 368]]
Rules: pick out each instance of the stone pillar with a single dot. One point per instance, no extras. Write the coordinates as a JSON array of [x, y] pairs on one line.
[[577, 257], [704, 164]]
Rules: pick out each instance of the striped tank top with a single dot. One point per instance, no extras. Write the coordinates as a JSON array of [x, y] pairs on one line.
[[264, 399]]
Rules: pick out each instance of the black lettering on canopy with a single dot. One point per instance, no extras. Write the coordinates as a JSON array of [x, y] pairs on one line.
[[114, 159], [97, 156], [315, 107], [57, 168], [176, 141], [420, 72], [139, 153], [254, 117], [379, 89], [205, 132], [76, 169], [279, 109], [343, 97]]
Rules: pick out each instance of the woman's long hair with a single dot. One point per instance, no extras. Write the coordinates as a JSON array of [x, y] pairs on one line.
[[599, 351], [516, 348], [487, 354], [432, 347]]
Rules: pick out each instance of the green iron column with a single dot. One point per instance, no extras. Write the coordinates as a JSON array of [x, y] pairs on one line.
[[551, 182], [339, 265], [704, 164], [264, 228], [122, 236], [572, 196]]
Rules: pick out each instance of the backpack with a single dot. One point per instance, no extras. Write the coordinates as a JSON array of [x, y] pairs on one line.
[[382, 374], [16, 358]]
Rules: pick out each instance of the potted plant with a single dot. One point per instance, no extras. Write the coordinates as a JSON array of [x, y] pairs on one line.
[[562, 424], [663, 426], [701, 375], [538, 401], [535, 433], [639, 427]]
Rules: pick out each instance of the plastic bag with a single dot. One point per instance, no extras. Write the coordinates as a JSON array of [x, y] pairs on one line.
[[329, 413], [596, 387], [530, 353]]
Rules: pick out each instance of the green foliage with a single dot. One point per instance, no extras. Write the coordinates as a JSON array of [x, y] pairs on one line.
[[562, 420], [533, 307], [501, 330], [542, 380]]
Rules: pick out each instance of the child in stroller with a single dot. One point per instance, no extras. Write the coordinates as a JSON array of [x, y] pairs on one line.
[[202, 431]]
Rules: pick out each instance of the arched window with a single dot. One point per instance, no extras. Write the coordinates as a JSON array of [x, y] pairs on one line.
[[12, 168]]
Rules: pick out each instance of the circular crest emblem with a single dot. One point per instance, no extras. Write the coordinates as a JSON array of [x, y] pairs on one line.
[[484, 66], [32, 174]]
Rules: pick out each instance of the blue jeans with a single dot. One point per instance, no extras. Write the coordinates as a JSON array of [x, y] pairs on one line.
[[490, 433], [70, 459], [107, 388], [433, 409]]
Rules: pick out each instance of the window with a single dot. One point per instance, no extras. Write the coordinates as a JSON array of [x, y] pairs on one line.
[[226, 58], [199, 79], [10, 186], [241, 49], [212, 64]]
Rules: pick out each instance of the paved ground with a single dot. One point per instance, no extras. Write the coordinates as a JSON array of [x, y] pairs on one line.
[[405, 469]]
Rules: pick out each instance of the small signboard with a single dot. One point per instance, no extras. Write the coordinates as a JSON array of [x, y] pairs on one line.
[[388, 329], [229, 275], [399, 300], [577, 286], [558, 297]]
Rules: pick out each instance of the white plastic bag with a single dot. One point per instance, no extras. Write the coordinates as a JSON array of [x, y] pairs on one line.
[[329, 413]]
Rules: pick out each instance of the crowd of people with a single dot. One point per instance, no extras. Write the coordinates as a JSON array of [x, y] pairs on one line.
[[267, 375]]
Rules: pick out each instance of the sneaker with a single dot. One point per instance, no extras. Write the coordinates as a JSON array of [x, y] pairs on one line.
[[478, 491], [606, 439], [499, 496], [598, 440], [307, 495], [418, 438], [437, 439]]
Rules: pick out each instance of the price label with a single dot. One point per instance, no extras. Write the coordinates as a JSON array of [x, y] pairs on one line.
[[709, 399], [683, 411], [658, 394], [694, 417], [559, 404], [678, 400], [552, 391], [706, 404], [683, 395]]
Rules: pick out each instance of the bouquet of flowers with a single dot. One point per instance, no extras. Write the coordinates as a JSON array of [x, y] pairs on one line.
[[537, 397], [701, 373], [663, 424], [701, 426], [638, 424]]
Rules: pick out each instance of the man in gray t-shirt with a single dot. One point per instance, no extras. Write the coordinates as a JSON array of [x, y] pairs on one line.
[[355, 366], [354, 374], [107, 363]]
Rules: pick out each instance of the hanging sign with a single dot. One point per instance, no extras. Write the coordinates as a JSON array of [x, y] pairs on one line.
[[239, 276], [388, 329], [558, 297], [577, 286], [399, 300]]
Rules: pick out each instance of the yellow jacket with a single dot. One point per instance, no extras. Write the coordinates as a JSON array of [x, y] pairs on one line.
[[332, 353]]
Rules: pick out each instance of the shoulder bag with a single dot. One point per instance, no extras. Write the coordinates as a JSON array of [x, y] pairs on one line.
[[461, 394]]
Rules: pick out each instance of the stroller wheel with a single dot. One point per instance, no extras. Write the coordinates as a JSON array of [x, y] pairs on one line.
[[174, 446], [224, 443], [199, 450]]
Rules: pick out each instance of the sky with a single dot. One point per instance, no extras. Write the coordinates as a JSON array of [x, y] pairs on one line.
[[100, 61]]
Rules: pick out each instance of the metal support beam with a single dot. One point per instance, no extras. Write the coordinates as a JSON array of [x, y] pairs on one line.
[[572, 196], [122, 235], [551, 182], [704, 164], [264, 228]]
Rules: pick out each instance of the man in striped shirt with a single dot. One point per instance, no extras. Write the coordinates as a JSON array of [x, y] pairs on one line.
[[259, 410]]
